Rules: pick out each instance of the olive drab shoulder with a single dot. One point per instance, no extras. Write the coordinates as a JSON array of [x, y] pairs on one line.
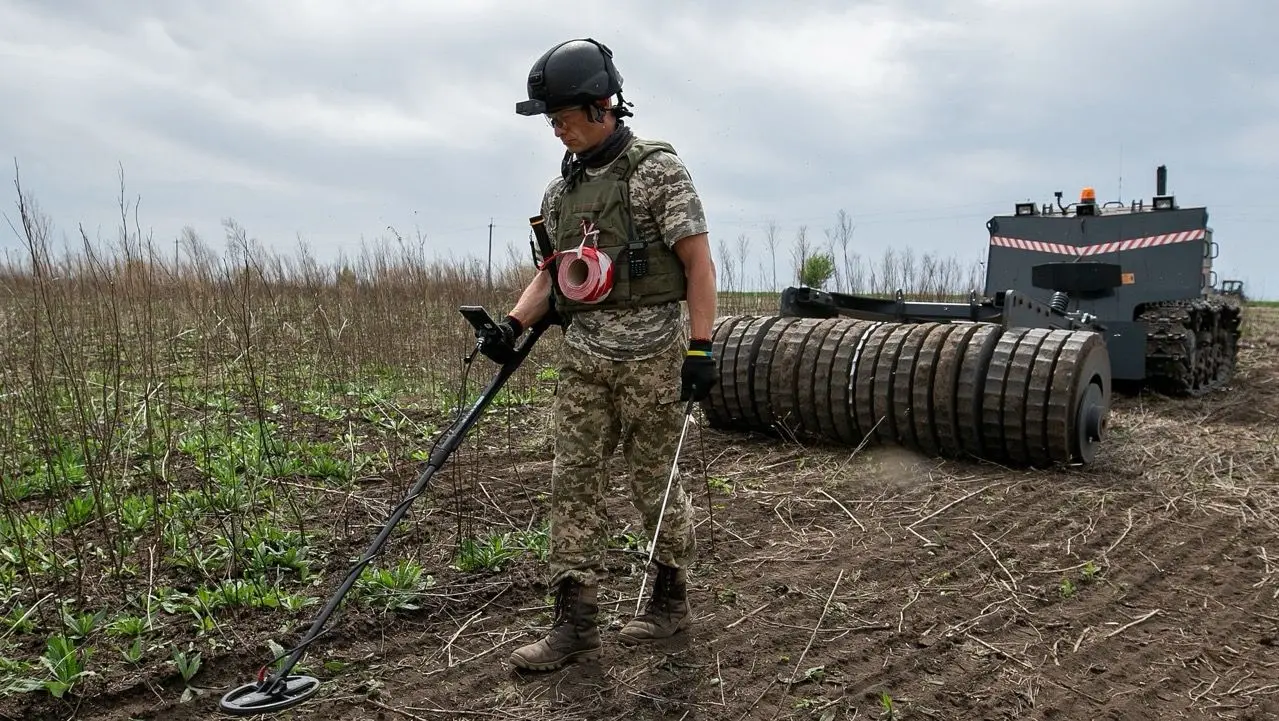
[[646, 271]]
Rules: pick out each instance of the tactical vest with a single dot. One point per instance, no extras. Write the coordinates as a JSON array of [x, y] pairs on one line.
[[646, 271]]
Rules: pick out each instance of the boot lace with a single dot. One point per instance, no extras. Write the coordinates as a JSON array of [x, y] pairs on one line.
[[565, 600], [660, 600]]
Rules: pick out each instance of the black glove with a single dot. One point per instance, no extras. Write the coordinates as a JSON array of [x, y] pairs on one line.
[[499, 343], [698, 374]]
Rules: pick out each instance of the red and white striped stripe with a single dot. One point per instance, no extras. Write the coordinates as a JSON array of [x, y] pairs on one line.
[[1099, 248]]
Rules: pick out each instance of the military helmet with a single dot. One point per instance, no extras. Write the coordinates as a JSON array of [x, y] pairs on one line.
[[573, 73]]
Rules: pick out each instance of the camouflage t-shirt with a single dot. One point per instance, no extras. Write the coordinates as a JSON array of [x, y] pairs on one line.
[[666, 205]]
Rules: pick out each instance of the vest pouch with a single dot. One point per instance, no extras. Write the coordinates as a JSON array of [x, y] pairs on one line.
[[598, 209], [597, 212]]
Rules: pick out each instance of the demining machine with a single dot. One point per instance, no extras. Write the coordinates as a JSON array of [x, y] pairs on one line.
[[1077, 297]]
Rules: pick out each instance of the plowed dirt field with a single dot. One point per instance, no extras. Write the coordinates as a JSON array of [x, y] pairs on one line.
[[834, 585]]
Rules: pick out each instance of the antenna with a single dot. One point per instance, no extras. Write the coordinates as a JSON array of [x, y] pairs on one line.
[[1121, 172]]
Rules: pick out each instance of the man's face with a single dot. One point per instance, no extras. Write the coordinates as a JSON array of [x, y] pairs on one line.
[[574, 128]]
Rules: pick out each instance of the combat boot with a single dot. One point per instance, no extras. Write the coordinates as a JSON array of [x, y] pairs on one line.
[[573, 635], [667, 612]]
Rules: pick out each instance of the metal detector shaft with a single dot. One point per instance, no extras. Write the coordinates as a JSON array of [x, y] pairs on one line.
[[268, 694], [436, 461]]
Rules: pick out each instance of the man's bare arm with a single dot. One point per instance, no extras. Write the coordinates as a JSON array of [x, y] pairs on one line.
[[699, 268], [534, 302]]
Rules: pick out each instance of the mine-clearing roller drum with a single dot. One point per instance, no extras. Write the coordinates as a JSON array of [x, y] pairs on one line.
[[1016, 396]]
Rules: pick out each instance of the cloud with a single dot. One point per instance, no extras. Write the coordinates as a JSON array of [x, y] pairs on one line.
[[335, 120]]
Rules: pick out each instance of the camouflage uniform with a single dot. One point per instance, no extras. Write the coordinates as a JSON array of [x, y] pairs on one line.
[[620, 382]]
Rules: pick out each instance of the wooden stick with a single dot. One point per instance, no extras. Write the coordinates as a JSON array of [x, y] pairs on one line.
[[743, 618], [817, 626], [845, 510], [998, 652], [1122, 536], [997, 561], [949, 505], [1130, 624]]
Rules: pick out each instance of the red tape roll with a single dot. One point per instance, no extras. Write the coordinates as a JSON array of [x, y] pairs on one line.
[[585, 274]]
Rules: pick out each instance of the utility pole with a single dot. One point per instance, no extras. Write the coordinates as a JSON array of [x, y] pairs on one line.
[[489, 273]]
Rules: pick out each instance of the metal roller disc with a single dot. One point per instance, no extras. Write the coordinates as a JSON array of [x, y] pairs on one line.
[[736, 352], [863, 380], [1078, 412], [757, 358], [950, 357], [728, 371], [716, 407], [715, 404], [762, 372], [826, 382], [744, 371], [970, 387], [923, 389], [803, 415], [1041, 375], [992, 404], [904, 408], [784, 374], [813, 384], [1091, 422], [843, 374], [1018, 416], [885, 371], [1092, 404]]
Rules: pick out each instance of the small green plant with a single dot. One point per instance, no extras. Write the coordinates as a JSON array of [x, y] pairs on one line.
[[66, 665], [718, 483], [133, 654], [188, 665], [396, 588], [536, 542], [489, 554], [1067, 588], [136, 513], [886, 706], [128, 626], [80, 625], [628, 541], [1090, 571]]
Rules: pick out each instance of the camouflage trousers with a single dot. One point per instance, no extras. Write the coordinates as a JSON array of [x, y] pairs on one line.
[[600, 403]]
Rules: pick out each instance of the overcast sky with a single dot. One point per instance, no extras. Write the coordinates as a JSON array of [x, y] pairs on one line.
[[330, 121]]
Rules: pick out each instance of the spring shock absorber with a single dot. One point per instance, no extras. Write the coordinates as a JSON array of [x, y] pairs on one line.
[[1060, 302]]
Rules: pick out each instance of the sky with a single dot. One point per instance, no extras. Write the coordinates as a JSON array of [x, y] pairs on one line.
[[331, 123]]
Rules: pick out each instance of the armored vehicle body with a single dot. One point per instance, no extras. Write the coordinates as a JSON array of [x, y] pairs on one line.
[[1138, 273]]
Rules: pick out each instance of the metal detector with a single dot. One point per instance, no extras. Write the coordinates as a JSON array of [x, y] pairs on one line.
[[280, 690]]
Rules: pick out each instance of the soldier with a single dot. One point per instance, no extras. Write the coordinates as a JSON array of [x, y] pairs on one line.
[[628, 365]]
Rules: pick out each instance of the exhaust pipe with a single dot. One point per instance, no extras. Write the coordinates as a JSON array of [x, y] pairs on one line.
[[1161, 180]]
